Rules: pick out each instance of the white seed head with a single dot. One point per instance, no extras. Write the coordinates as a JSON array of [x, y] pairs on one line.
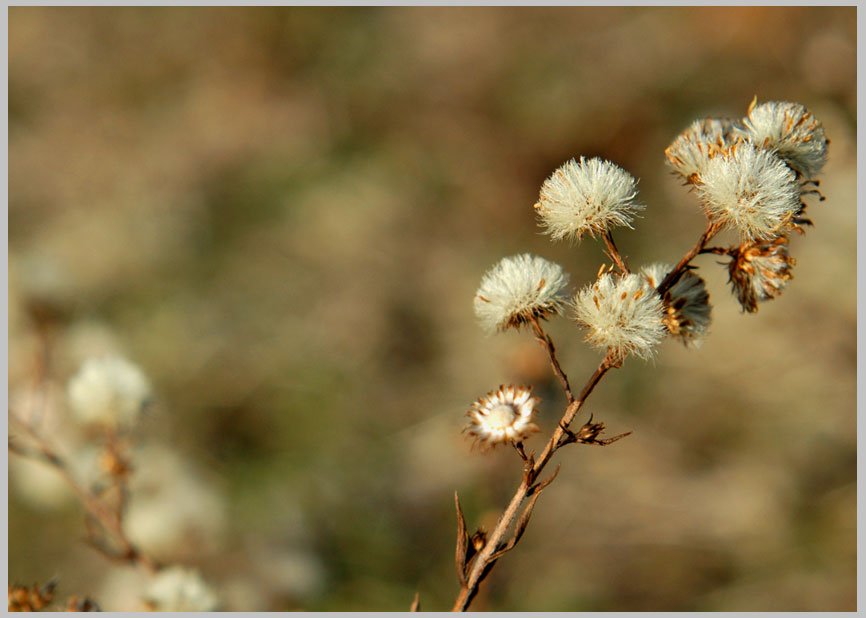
[[690, 151], [622, 314], [759, 271], [590, 195], [181, 589], [517, 289], [791, 131], [686, 304], [750, 190], [501, 416], [108, 391]]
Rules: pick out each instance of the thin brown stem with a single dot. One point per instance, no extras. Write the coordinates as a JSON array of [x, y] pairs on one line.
[[108, 517], [674, 275], [614, 253], [715, 250], [547, 342], [482, 564]]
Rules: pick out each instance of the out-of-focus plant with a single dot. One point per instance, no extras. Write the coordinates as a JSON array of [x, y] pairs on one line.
[[751, 176], [106, 399]]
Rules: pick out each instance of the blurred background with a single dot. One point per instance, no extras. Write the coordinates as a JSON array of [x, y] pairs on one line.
[[282, 215]]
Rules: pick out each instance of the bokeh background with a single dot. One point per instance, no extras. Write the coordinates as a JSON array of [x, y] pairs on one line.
[[282, 215]]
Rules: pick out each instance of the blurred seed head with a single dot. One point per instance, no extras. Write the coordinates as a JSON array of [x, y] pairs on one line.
[[174, 512], [587, 196], [181, 589], [750, 190], [791, 131], [623, 314], [517, 289], [108, 391], [759, 271], [502, 416], [687, 309]]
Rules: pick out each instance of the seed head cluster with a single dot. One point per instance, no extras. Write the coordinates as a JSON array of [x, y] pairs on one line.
[[622, 314], [759, 271], [501, 416], [750, 190], [587, 196], [517, 289], [690, 151], [687, 309], [750, 175], [789, 130]]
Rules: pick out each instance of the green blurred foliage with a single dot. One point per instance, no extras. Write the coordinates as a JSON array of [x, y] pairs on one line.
[[282, 215]]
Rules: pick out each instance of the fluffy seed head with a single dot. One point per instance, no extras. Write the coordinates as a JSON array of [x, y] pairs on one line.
[[759, 271], [687, 309], [181, 589], [690, 151], [623, 314], [501, 416], [749, 189], [517, 289], [590, 195], [108, 391], [791, 131]]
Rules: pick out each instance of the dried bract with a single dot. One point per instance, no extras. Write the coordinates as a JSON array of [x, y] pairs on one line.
[[518, 289], [690, 151], [759, 271], [501, 416], [791, 131], [622, 314], [686, 304], [750, 190], [590, 195]]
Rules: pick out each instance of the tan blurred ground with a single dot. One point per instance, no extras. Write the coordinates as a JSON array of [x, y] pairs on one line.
[[283, 214]]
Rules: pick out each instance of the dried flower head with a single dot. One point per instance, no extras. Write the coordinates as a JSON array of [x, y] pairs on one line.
[[503, 415], [759, 271], [686, 304], [517, 289], [590, 195], [181, 589], [623, 314], [749, 189], [108, 391], [791, 131], [690, 151]]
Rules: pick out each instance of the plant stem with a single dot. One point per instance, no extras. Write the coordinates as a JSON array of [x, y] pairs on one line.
[[614, 253], [482, 564], [674, 275], [547, 342]]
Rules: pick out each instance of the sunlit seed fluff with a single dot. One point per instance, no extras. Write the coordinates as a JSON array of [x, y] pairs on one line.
[[181, 589], [502, 416], [109, 391], [517, 289], [687, 306], [759, 271], [587, 196], [690, 151], [750, 190], [791, 131], [622, 314]]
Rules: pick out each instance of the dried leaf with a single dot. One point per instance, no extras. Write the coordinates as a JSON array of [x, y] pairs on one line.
[[535, 489], [462, 542]]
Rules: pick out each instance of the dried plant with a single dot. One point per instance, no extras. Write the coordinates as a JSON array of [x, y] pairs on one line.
[[106, 398], [37, 598], [751, 176]]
